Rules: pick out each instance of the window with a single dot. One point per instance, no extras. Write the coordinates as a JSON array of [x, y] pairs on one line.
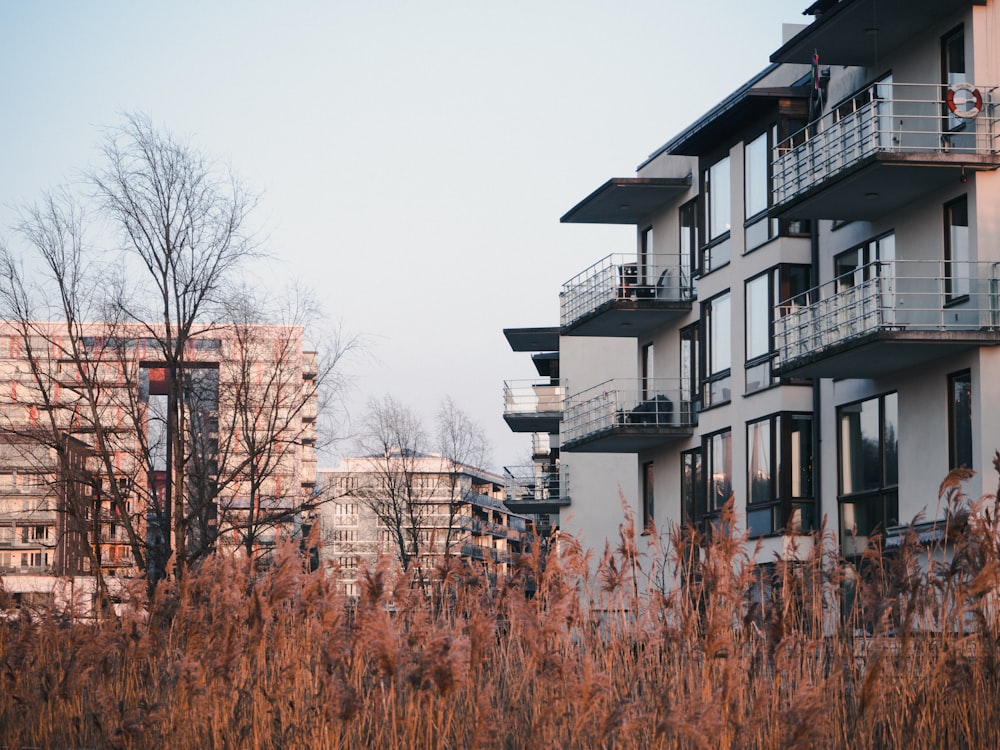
[[646, 366], [718, 453], [647, 262], [779, 461], [786, 286], [863, 263], [953, 70], [690, 340], [960, 420], [868, 470], [718, 351], [692, 487], [718, 207], [757, 191], [647, 496], [956, 249], [689, 240]]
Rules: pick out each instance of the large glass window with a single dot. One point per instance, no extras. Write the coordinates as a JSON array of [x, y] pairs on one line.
[[953, 69], [780, 462], [960, 420], [758, 228], [690, 345], [717, 318], [718, 200], [718, 453], [853, 267], [956, 248], [868, 470], [647, 496], [718, 211], [689, 239], [785, 285], [692, 487]]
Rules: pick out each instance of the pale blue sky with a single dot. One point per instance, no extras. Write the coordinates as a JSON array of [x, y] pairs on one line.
[[414, 157]]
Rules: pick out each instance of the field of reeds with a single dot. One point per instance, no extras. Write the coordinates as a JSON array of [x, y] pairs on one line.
[[688, 647]]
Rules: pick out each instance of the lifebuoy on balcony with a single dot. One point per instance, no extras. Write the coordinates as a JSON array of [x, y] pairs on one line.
[[967, 112]]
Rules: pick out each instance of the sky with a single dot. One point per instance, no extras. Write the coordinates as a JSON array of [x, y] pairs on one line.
[[412, 158]]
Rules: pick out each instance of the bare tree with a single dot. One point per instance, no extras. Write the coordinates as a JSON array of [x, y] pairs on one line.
[[189, 404], [412, 485]]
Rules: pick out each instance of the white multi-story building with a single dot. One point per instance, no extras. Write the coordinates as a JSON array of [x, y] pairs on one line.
[[416, 508], [810, 316]]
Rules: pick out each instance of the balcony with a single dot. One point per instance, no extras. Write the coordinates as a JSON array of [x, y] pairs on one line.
[[621, 296], [886, 147], [533, 405], [627, 416], [534, 488], [902, 314]]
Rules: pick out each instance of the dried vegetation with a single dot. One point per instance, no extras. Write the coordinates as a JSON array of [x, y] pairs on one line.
[[902, 649]]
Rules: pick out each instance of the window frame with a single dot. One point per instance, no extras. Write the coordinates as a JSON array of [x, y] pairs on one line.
[[716, 379], [715, 250], [960, 436], [648, 477], [882, 500], [715, 500], [781, 287], [782, 501], [954, 291]]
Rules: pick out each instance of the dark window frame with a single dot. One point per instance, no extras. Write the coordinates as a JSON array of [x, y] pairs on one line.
[[782, 502], [711, 378], [960, 433], [881, 501]]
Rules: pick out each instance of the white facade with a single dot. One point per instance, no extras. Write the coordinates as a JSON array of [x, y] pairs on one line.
[[809, 319]]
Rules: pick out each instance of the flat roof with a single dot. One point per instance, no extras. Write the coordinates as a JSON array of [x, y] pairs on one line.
[[626, 200], [857, 32], [540, 339]]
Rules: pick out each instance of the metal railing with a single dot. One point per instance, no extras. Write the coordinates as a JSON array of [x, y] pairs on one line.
[[533, 483], [886, 117], [644, 402], [662, 277], [526, 397], [900, 295]]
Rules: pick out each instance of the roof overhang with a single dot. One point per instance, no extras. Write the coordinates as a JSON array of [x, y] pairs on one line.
[[734, 114], [627, 200], [533, 339], [856, 32]]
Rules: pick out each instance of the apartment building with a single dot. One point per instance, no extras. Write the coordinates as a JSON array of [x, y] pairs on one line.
[[809, 317], [85, 447], [417, 507]]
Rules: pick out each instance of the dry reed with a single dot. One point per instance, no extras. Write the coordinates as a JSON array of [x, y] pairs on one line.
[[687, 646]]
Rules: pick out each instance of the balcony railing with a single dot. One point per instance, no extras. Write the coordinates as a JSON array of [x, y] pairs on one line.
[[663, 277], [890, 297], [895, 118], [631, 413], [528, 397], [534, 484]]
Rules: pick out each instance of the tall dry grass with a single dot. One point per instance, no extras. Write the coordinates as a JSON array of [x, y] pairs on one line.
[[900, 650]]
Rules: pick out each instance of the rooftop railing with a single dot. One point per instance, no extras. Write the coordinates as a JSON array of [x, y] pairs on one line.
[[662, 277], [901, 118], [900, 295], [644, 402]]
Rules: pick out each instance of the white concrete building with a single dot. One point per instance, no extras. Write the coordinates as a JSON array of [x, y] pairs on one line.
[[808, 320]]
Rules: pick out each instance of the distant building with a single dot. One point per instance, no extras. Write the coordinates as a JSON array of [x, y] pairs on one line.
[[418, 507], [65, 505]]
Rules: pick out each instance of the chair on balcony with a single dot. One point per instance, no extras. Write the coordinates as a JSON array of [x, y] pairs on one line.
[[658, 410]]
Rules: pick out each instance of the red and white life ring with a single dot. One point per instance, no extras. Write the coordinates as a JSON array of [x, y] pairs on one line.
[[967, 112]]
